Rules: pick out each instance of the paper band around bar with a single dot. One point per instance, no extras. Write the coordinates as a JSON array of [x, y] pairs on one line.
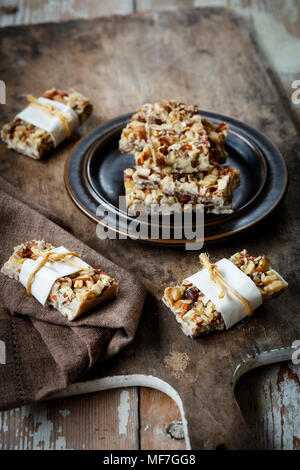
[[56, 118], [50, 257], [50, 109], [230, 306], [44, 274], [217, 277]]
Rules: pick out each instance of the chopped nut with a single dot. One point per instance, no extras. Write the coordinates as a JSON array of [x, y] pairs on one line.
[[249, 268]]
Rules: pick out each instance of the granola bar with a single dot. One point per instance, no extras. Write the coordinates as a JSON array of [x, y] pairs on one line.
[[215, 186], [71, 295], [171, 137], [213, 189], [197, 314], [144, 201], [35, 142]]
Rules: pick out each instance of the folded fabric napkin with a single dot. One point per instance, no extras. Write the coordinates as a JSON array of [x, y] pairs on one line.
[[44, 351]]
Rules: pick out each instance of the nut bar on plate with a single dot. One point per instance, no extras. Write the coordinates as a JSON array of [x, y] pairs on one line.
[[170, 137], [146, 201], [57, 277], [222, 294], [46, 122], [214, 189]]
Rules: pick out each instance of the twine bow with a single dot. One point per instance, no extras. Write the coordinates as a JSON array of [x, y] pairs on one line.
[[216, 277], [48, 108], [51, 257]]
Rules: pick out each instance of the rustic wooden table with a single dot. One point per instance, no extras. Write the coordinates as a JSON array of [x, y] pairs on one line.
[[136, 418]]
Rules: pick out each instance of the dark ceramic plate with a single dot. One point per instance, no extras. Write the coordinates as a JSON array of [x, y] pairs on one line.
[[94, 179]]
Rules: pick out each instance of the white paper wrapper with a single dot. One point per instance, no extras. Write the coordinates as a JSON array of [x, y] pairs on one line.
[[46, 276], [230, 307], [50, 123]]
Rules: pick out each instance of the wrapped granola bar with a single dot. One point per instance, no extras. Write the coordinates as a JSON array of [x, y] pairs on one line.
[[59, 278], [251, 281], [171, 137], [46, 122]]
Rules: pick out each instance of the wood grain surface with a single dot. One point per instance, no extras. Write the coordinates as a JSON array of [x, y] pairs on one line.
[[269, 398], [117, 82], [17, 12], [159, 419], [74, 423], [273, 24]]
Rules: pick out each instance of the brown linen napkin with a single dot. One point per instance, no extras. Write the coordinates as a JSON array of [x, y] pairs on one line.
[[44, 351]]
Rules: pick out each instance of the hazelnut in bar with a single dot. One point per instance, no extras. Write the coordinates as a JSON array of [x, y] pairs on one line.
[[171, 137], [59, 278], [224, 293], [46, 122]]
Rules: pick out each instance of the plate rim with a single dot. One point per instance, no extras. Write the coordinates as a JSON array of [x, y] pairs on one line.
[[180, 242]]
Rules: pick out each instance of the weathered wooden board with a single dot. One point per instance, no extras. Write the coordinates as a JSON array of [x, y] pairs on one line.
[[74, 423], [159, 428], [121, 62], [114, 419], [269, 398], [16, 12], [274, 26]]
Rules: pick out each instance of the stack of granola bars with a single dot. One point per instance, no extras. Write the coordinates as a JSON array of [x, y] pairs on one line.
[[179, 157]]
